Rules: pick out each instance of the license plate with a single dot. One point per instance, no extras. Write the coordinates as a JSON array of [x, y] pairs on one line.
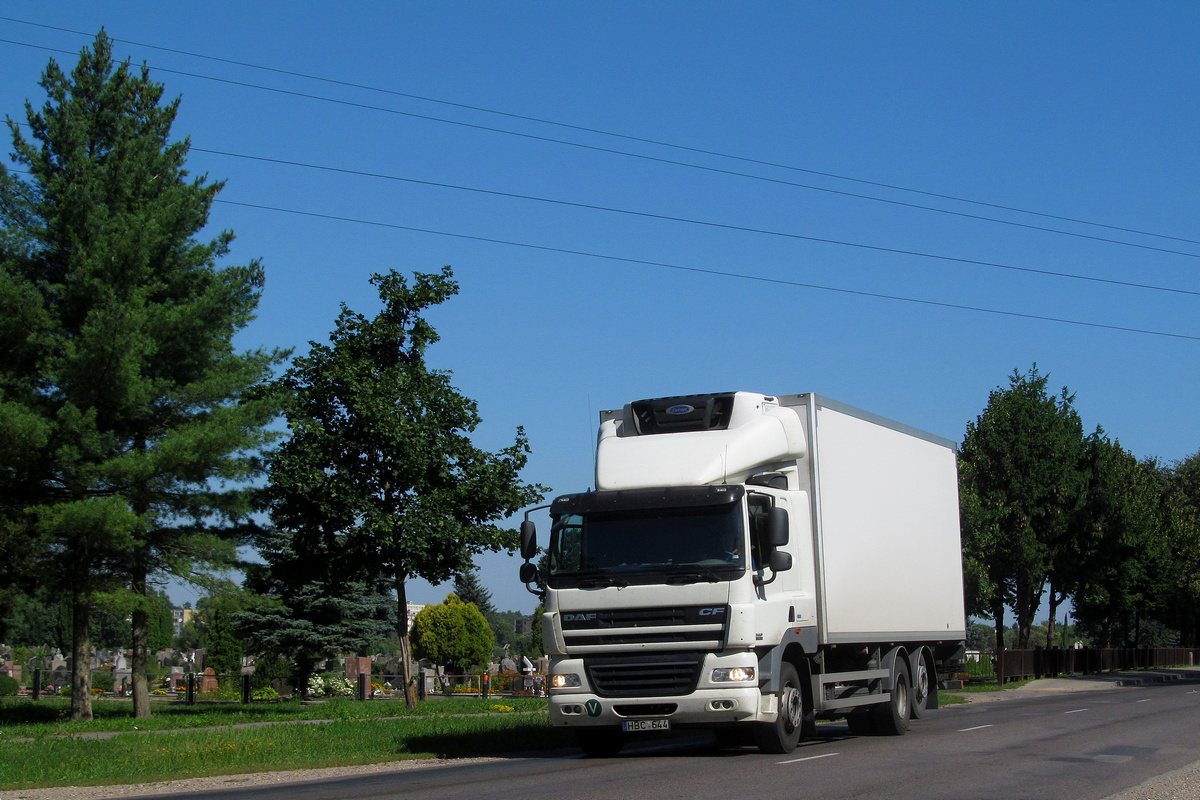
[[646, 725]]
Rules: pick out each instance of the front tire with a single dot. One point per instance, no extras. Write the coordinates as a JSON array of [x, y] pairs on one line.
[[782, 735]]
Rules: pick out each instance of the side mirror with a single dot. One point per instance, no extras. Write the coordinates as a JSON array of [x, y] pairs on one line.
[[528, 540], [777, 527], [529, 573], [780, 561]]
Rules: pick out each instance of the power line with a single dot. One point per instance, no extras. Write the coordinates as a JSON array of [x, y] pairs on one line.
[[704, 223], [705, 271], [676, 219], [732, 173], [713, 272]]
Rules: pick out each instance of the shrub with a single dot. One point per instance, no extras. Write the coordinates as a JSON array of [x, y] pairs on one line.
[[330, 686], [9, 686], [265, 695], [270, 668], [102, 681]]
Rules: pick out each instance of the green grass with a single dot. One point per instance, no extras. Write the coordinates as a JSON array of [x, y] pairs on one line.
[[20, 718], [358, 734], [950, 697]]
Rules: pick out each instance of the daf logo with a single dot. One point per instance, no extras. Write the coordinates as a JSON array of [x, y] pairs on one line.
[[579, 617], [709, 612]]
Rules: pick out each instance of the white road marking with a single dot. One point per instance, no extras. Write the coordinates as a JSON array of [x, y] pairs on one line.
[[1076, 711], [976, 728], [809, 758]]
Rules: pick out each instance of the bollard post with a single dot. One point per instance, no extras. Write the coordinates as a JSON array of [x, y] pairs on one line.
[[37, 683], [246, 693], [485, 685], [190, 694], [362, 686], [421, 683]]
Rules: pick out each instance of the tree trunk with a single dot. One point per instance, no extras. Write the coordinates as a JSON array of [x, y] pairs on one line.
[[81, 658], [141, 616], [410, 695], [141, 621], [304, 667], [1054, 601], [998, 616], [1028, 600]]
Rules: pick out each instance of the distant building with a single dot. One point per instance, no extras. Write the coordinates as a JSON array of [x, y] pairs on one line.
[[179, 616], [524, 625], [413, 608]]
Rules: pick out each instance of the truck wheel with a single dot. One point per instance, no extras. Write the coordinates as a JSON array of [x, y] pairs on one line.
[[924, 684], [600, 742], [782, 735], [891, 718]]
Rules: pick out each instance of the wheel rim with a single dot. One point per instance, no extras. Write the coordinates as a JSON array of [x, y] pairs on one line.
[[901, 690], [921, 685], [793, 707]]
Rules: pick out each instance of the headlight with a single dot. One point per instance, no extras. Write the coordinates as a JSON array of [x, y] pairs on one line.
[[564, 681], [733, 674]]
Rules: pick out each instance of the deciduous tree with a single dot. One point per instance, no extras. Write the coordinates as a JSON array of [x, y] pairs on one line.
[[1019, 471], [379, 466], [1121, 544], [453, 634], [1182, 516]]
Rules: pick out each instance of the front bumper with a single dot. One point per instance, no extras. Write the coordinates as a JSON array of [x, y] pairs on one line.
[[710, 704]]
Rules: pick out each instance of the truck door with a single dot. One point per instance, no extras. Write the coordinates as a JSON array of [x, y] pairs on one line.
[[776, 590]]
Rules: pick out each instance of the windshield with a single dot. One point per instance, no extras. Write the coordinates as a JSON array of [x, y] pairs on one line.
[[679, 545]]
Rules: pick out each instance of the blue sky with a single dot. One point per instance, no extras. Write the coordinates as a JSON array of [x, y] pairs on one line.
[[747, 133]]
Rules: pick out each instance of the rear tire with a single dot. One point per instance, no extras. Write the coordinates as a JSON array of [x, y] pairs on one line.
[[891, 718], [782, 735], [600, 742], [924, 685]]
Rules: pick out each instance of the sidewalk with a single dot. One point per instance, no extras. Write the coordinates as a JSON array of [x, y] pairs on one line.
[[1089, 683]]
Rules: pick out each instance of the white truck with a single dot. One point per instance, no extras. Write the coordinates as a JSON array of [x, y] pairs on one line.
[[748, 564]]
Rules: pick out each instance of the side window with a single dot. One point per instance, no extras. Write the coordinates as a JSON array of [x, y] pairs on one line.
[[759, 507], [566, 539]]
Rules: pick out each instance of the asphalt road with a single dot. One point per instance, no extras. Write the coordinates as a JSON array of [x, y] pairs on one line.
[[1041, 743]]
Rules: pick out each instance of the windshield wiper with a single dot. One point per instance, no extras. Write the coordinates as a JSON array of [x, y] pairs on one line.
[[603, 580], [694, 574]]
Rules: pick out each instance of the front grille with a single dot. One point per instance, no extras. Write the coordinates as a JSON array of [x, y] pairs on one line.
[[670, 628], [673, 637], [645, 675]]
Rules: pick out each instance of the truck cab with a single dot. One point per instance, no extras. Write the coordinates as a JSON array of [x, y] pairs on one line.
[[685, 590]]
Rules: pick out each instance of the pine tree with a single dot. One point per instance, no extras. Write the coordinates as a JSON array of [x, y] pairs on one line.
[[224, 652], [303, 614], [469, 589], [131, 421]]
